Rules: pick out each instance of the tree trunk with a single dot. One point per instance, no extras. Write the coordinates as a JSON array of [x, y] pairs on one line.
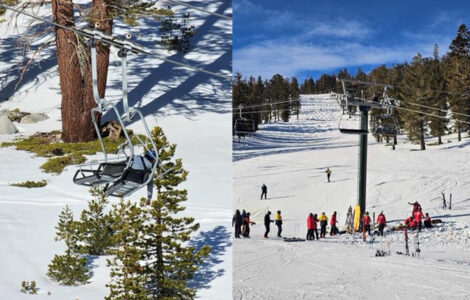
[[439, 140], [395, 140], [459, 133], [75, 81]]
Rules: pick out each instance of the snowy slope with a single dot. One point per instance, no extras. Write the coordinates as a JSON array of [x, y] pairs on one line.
[[194, 111], [291, 158]]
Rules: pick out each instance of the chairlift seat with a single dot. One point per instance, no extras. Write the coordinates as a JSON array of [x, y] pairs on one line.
[[353, 131], [105, 173], [131, 180], [244, 126]]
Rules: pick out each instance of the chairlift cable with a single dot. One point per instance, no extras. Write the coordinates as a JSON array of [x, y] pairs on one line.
[[370, 83], [109, 40], [201, 9]]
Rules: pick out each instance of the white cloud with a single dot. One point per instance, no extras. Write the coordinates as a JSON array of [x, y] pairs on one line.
[[291, 57], [339, 28]]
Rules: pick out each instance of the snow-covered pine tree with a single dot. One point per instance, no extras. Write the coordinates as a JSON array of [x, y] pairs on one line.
[[170, 262], [95, 226], [127, 276], [70, 268]]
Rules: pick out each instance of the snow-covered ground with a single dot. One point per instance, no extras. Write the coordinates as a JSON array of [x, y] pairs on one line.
[[291, 159], [194, 111]]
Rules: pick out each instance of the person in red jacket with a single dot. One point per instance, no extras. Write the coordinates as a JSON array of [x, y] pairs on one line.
[[311, 227], [366, 222], [418, 215], [248, 222], [382, 222], [333, 221]]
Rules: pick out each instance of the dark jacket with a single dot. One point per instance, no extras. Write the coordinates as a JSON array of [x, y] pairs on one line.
[[267, 219], [237, 219]]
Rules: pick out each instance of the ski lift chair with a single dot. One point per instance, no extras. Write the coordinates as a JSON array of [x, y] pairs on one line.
[[244, 127], [390, 128], [350, 123], [117, 175]]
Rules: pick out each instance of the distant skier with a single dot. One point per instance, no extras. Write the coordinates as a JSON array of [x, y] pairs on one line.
[[382, 222], [267, 223], [264, 191], [333, 221], [427, 221], [237, 222], [278, 219], [247, 222], [328, 174], [366, 222], [312, 226], [323, 222]]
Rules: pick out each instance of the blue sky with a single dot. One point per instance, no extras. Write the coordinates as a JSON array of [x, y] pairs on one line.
[[306, 38]]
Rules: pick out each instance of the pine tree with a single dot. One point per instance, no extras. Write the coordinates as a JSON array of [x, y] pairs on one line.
[[460, 45], [438, 126], [128, 281], [295, 96], [170, 262], [95, 227], [416, 81], [70, 268]]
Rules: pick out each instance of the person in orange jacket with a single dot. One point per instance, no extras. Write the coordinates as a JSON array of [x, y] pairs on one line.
[[366, 222], [382, 221], [333, 221]]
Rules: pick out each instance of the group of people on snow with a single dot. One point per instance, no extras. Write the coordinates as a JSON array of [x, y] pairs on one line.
[[415, 220], [277, 221], [241, 221], [312, 229]]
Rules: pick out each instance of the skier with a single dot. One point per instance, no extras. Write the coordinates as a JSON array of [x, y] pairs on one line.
[[366, 222], [267, 222], [323, 222], [264, 191], [418, 215], [237, 222], [328, 174], [427, 221], [246, 233], [278, 223], [382, 222], [311, 227], [334, 229]]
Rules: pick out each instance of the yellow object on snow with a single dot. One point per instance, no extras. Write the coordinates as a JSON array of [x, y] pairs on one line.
[[357, 217]]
